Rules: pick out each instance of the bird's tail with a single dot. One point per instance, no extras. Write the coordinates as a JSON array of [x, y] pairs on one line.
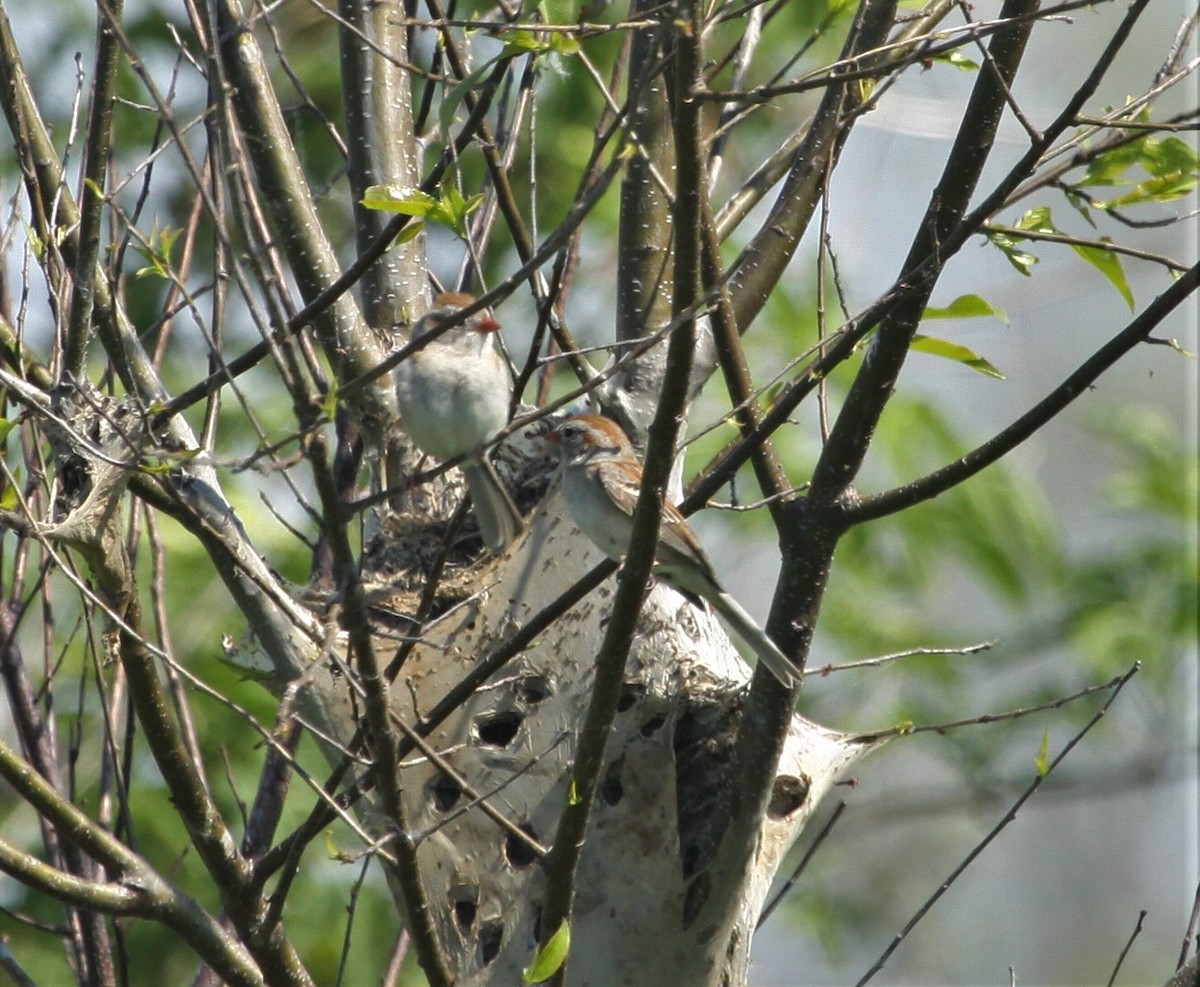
[[743, 625], [499, 520]]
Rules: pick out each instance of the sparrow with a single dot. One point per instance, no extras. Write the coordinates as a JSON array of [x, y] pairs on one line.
[[601, 480], [454, 396]]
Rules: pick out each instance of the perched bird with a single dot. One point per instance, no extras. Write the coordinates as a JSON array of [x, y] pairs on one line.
[[454, 396], [601, 480]]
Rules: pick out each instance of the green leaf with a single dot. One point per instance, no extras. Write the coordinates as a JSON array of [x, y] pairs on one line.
[[524, 42], [399, 198], [330, 404], [456, 95], [156, 252], [550, 957], [6, 426], [1173, 167], [35, 241], [335, 852], [1165, 189], [452, 209], [564, 44], [1038, 220], [560, 11], [956, 352], [410, 232], [9, 501], [1042, 761], [1010, 246], [1110, 167], [966, 307], [1109, 264], [1081, 204], [958, 60]]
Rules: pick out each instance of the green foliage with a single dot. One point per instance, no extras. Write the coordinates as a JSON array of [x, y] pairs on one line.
[[963, 307], [966, 307], [1010, 245], [550, 958], [156, 252], [987, 560], [957, 59], [933, 346], [1042, 761], [1171, 170], [538, 43], [450, 208], [1039, 220]]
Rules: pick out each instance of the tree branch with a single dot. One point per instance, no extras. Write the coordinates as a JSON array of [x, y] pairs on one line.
[[951, 475], [140, 890], [95, 179]]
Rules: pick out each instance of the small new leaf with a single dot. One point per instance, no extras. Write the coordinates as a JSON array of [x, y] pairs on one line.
[[564, 44], [1042, 761], [334, 851], [452, 99], [1109, 264], [1081, 204], [9, 501], [966, 307], [330, 404], [1010, 246], [958, 60], [1173, 166], [156, 252], [410, 232], [956, 352], [1038, 220], [398, 198], [550, 958], [452, 209], [523, 42]]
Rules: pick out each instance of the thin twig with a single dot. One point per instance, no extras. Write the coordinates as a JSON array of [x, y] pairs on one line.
[[1137, 931], [983, 719], [876, 662], [1009, 816], [790, 883]]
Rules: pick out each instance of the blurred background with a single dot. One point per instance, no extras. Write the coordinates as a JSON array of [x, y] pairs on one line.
[[1077, 557]]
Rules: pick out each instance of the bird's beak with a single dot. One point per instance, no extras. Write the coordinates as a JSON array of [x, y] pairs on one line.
[[486, 323]]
